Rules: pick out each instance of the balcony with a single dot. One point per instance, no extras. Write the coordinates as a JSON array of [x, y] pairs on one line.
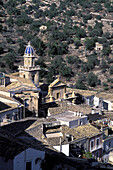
[[96, 148], [29, 68]]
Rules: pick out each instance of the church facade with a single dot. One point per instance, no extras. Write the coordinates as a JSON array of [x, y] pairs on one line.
[[24, 85]]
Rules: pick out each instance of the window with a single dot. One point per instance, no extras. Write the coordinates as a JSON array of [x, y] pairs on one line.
[[1, 81], [26, 103], [91, 144], [81, 123], [97, 142], [58, 95], [33, 78], [28, 166], [97, 154], [109, 144]]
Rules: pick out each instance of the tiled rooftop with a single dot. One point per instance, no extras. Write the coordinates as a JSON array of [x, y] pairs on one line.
[[20, 81], [81, 131], [95, 117], [19, 126], [82, 92], [9, 146], [6, 97], [8, 103], [3, 106], [109, 115], [63, 107], [3, 89]]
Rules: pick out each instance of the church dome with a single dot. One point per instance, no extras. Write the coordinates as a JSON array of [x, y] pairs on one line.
[[29, 49]]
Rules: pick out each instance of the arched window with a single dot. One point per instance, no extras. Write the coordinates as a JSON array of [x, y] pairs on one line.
[[24, 76]]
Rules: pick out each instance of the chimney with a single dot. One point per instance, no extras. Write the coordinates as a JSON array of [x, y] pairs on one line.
[[75, 113], [71, 137], [93, 111]]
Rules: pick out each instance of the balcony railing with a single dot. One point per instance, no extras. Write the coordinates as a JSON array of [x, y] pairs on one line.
[[29, 68]]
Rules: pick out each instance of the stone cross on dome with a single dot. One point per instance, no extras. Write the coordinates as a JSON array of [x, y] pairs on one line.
[[29, 44]]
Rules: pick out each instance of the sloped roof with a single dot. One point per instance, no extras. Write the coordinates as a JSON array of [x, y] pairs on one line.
[[84, 93], [56, 83], [9, 145], [3, 89], [95, 117], [85, 109], [3, 106], [19, 126], [19, 82], [9, 103], [81, 131]]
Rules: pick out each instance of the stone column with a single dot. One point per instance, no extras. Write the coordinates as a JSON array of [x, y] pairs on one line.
[[51, 99], [36, 107], [73, 94], [13, 118], [65, 97], [37, 78], [20, 113], [30, 100]]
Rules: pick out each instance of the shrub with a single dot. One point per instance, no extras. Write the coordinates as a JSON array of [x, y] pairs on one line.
[[93, 80], [111, 69], [89, 43]]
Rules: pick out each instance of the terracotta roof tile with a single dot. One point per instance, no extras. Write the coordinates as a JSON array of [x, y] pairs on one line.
[[85, 109], [82, 92]]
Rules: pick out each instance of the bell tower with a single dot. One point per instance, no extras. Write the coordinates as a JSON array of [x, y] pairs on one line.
[[29, 70]]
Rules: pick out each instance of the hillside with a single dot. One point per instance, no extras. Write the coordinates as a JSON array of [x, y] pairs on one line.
[[73, 39]]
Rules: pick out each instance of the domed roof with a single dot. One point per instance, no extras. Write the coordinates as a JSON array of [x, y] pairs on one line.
[[29, 49]]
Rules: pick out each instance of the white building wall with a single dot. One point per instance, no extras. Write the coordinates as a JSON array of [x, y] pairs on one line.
[[96, 101], [64, 149], [64, 122], [29, 155], [110, 105], [4, 100], [5, 93], [75, 123]]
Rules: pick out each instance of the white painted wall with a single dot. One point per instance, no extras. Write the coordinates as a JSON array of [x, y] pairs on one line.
[[96, 101], [63, 122], [110, 105], [13, 80], [49, 113], [52, 135], [4, 100], [30, 154], [64, 149], [111, 122], [5, 93]]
